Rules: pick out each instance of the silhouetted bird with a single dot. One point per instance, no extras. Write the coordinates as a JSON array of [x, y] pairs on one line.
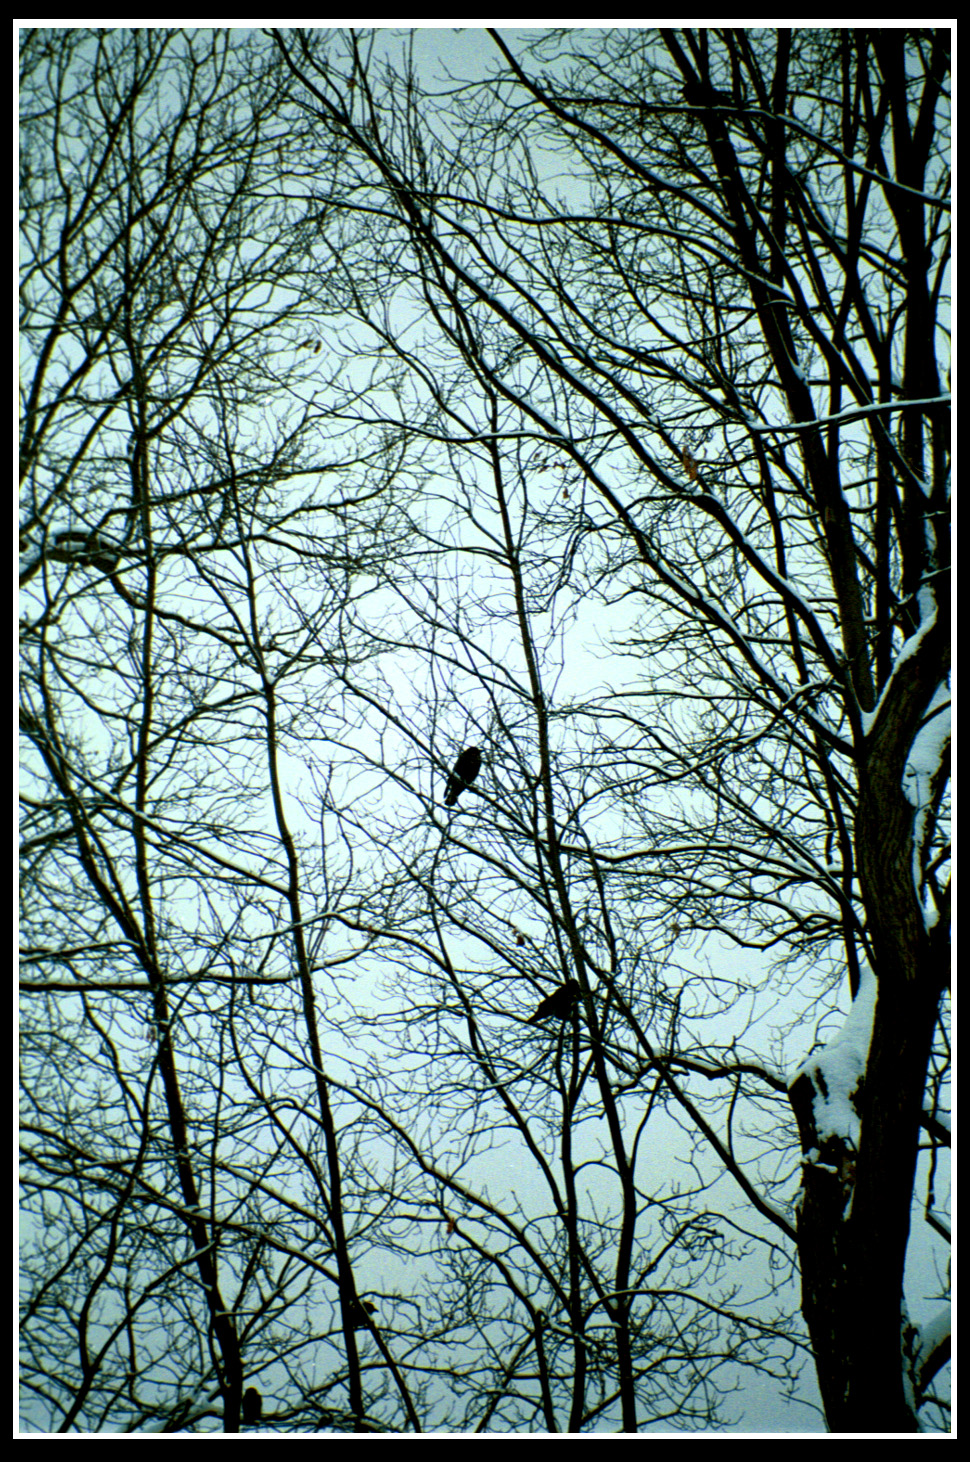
[[559, 1003], [252, 1407], [699, 94], [467, 768], [359, 1312]]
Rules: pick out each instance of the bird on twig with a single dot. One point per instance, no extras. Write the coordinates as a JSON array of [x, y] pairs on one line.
[[559, 1004], [467, 767], [252, 1407], [360, 1313]]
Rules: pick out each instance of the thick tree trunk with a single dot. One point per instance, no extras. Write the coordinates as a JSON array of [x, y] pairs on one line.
[[854, 1221], [853, 1227]]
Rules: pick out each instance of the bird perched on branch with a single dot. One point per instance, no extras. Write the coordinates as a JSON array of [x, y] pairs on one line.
[[252, 1407], [467, 767], [360, 1313], [559, 1004]]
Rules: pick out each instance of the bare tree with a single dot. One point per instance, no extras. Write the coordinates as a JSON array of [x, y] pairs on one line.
[[723, 339], [202, 1187], [346, 405], [182, 485], [568, 1291]]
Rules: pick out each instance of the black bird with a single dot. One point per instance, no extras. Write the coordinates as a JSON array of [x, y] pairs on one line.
[[360, 1310], [252, 1407], [467, 768], [559, 1003]]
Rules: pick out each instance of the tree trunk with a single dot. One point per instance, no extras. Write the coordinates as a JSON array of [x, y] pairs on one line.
[[854, 1222]]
